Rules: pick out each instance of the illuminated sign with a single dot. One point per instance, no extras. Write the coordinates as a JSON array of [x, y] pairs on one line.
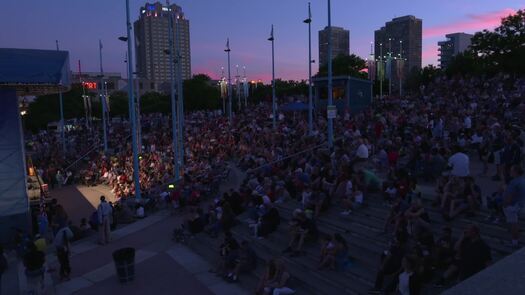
[[89, 85], [151, 7]]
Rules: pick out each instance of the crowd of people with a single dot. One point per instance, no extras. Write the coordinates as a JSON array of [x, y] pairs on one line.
[[385, 150], [434, 137]]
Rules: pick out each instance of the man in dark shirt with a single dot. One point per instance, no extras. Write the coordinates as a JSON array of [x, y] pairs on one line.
[[472, 255]]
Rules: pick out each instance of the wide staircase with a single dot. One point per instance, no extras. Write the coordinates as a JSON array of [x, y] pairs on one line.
[[363, 231]]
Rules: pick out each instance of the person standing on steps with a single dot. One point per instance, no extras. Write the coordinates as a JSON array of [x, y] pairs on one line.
[[63, 248], [105, 212], [513, 199]]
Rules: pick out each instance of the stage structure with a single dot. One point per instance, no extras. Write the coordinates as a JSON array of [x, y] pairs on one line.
[[349, 93], [23, 72]]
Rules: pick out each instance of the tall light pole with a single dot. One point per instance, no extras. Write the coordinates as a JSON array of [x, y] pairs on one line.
[[389, 65], [330, 87], [272, 39], [237, 85], [171, 51], [245, 87], [401, 65], [221, 85], [136, 171], [180, 92], [381, 72], [61, 100], [310, 102], [103, 100], [228, 50]]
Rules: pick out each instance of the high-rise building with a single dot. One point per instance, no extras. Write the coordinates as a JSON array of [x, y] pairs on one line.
[[456, 43], [340, 43], [400, 38], [152, 41]]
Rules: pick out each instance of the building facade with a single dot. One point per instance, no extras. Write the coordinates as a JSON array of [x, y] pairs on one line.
[[399, 41], [340, 43], [456, 43], [152, 42]]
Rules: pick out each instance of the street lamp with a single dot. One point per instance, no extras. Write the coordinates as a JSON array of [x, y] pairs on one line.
[[272, 39], [170, 52], [180, 92], [237, 85], [61, 100], [382, 71], [310, 103], [136, 171], [401, 66], [103, 100], [228, 50], [330, 108]]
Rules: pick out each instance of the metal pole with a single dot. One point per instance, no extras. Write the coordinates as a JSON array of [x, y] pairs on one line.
[[61, 100], [180, 91], [330, 87], [400, 70], [389, 63], [229, 82], [274, 122], [103, 100], [244, 87], [139, 124], [174, 122], [310, 102], [237, 85], [136, 171], [382, 71]]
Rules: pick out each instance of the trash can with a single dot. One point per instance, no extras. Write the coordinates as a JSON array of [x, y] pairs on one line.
[[125, 264]]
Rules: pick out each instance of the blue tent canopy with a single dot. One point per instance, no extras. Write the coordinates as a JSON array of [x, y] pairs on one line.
[[34, 71], [294, 107]]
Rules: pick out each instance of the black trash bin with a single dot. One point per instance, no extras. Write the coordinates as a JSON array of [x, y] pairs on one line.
[[125, 264]]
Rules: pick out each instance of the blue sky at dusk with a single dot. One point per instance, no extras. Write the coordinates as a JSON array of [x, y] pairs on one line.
[[79, 24]]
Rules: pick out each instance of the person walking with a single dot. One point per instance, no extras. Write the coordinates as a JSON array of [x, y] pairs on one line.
[[61, 242], [105, 212], [34, 261]]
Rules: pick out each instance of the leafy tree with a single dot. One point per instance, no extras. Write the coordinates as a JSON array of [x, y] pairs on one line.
[[345, 65], [503, 48], [118, 104], [154, 102], [424, 76], [200, 94], [46, 108]]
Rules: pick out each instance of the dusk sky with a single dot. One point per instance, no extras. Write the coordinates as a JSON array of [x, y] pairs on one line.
[[78, 25]]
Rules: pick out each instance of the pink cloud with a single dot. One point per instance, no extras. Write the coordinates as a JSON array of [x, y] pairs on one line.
[[472, 23], [430, 53]]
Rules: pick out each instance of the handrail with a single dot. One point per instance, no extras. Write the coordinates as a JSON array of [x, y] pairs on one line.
[[94, 146], [294, 154]]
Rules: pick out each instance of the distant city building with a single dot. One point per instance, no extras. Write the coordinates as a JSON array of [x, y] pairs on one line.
[[340, 43], [152, 40], [113, 82], [456, 43], [400, 37], [91, 81]]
